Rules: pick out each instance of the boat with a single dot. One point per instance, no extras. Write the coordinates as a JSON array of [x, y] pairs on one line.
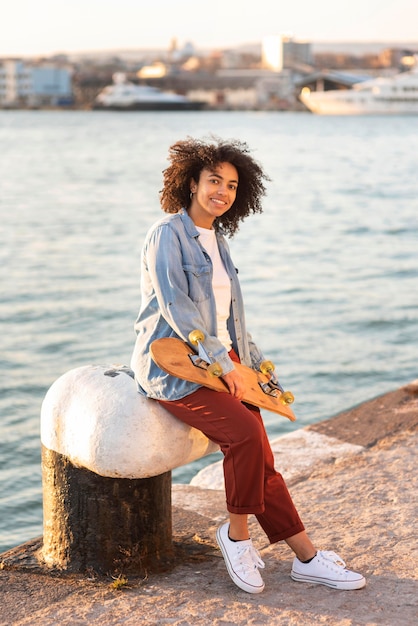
[[396, 95], [124, 95]]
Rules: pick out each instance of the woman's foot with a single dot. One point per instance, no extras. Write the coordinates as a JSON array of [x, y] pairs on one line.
[[327, 568], [242, 561]]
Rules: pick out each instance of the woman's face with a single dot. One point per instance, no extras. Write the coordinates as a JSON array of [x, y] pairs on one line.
[[213, 194]]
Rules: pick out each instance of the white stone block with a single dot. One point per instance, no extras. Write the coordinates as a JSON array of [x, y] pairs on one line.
[[95, 417]]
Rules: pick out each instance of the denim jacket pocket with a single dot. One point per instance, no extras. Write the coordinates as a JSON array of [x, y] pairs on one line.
[[199, 280]]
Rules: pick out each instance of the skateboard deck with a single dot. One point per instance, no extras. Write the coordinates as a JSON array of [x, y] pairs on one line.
[[173, 356]]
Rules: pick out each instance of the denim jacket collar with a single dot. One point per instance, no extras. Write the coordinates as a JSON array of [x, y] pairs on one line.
[[189, 224]]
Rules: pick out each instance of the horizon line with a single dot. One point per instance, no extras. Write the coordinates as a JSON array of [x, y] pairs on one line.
[[84, 51]]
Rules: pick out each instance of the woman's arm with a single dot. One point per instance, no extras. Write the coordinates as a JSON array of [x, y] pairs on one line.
[[164, 265]]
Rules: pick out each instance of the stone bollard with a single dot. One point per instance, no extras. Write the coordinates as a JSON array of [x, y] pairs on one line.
[[107, 456]]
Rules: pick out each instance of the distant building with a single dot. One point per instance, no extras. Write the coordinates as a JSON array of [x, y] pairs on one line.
[[155, 70], [327, 80], [15, 83], [254, 89], [283, 52], [276, 91], [23, 84], [296, 52], [272, 53]]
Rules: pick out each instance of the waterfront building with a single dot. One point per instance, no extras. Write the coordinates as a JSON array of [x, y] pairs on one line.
[[33, 85], [283, 52]]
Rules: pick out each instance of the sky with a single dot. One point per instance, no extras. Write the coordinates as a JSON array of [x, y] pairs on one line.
[[43, 27]]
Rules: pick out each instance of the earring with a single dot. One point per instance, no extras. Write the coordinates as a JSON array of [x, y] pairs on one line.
[[191, 195]]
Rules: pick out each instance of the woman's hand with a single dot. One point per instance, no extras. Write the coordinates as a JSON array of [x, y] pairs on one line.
[[235, 384]]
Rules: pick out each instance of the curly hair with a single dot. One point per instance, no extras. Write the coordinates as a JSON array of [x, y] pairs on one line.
[[189, 157]]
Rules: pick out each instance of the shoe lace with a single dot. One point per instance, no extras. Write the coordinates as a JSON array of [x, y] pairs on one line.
[[329, 555], [249, 557]]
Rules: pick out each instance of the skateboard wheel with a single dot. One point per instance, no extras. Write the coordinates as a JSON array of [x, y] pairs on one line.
[[267, 367], [287, 397], [215, 369], [196, 336]]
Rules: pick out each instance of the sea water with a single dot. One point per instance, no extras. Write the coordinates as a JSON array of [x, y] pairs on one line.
[[329, 269]]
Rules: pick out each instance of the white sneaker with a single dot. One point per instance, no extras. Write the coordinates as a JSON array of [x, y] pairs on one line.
[[327, 568], [242, 561]]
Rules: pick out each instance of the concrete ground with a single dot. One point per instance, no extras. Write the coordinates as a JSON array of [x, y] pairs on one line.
[[354, 481]]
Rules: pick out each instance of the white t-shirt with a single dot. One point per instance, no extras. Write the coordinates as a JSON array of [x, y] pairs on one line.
[[220, 282]]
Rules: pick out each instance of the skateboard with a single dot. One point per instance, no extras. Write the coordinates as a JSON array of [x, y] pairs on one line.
[[263, 389]]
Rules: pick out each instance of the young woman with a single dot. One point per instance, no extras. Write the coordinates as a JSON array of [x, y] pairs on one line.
[[188, 282]]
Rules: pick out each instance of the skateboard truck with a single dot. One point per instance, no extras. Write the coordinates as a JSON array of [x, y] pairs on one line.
[[202, 359], [205, 361], [272, 387]]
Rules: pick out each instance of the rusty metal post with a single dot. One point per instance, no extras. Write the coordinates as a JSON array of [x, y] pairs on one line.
[[109, 525]]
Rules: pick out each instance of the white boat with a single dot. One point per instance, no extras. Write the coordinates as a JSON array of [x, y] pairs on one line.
[[124, 95], [397, 95]]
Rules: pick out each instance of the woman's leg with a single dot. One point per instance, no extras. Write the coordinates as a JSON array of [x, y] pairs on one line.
[[227, 422], [248, 461], [279, 519], [253, 486], [238, 527], [302, 546]]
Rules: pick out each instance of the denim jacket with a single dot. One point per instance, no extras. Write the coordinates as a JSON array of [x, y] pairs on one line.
[[177, 297]]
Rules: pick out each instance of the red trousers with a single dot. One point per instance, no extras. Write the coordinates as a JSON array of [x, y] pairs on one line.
[[252, 484]]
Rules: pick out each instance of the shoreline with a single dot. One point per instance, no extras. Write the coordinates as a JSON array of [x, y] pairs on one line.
[[352, 478]]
